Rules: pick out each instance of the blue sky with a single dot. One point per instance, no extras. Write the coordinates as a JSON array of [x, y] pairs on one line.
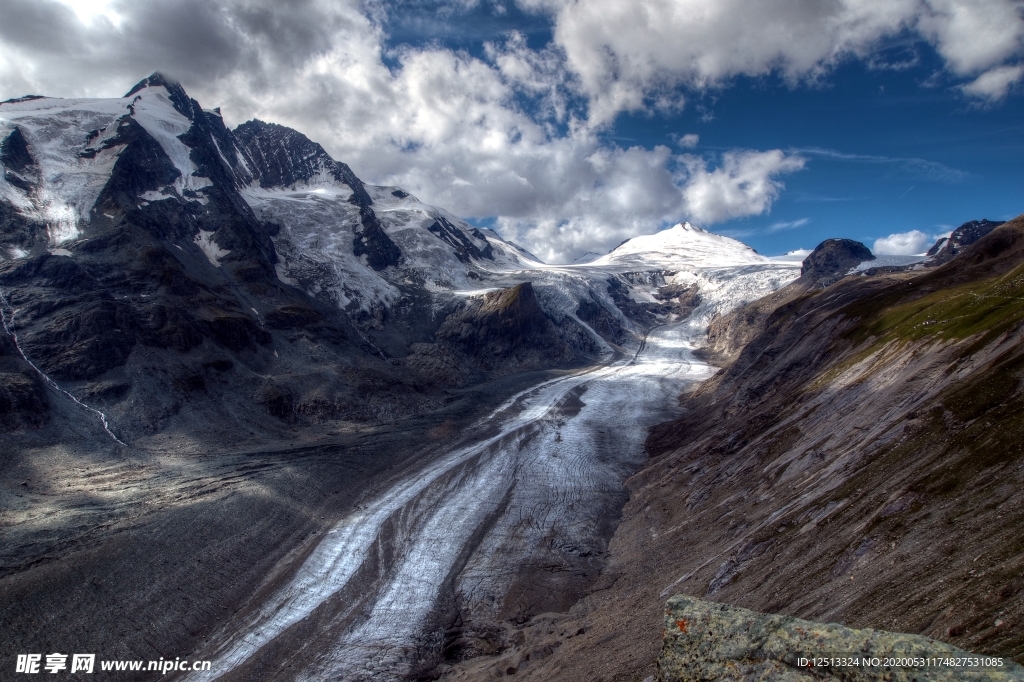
[[891, 145], [569, 126], [885, 154]]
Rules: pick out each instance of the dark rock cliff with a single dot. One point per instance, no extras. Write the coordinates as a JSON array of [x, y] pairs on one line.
[[497, 333], [285, 158], [946, 249], [832, 259]]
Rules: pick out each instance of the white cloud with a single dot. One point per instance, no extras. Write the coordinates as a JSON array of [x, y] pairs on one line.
[[783, 226], [689, 141], [621, 193], [974, 35], [510, 135], [931, 171], [90, 10], [629, 55], [994, 84], [902, 244], [744, 185], [446, 126]]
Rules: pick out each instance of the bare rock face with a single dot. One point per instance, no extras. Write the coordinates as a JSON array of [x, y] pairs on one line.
[[284, 157], [832, 259], [23, 401], [708, 641], [508, 328], [945, 249]]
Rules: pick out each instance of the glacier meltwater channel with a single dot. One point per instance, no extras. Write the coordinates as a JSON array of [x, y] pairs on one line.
[[364, 604]]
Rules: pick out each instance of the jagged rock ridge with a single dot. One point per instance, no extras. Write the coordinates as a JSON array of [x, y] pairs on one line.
[[945, 249]]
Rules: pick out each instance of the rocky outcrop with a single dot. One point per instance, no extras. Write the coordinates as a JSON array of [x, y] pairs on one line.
[[184, 105], [728, 334], [19, 167], [832, 259], [708, 641], [602, 321], [23, 400], [946, 249], [505, 330], [464, 248], [284, 158]]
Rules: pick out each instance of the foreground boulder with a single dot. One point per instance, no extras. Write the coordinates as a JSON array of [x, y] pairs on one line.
[[708, 641]]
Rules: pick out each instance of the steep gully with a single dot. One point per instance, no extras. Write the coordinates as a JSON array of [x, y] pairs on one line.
[[9, 329], [471, 536]]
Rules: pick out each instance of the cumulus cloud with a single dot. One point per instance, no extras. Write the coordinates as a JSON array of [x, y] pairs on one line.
[[514, 133], [451, 128], [688, 141], [629, 55], [902, 244], [994, 84], [745, 184], [620, 193]]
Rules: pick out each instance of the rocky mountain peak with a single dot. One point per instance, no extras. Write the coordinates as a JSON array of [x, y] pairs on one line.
[[946, 249], [285, 157], [833, 258], [185, 106], [14, 154], [17, 160]]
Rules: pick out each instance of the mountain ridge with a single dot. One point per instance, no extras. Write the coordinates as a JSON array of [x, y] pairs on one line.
[[857, 461]]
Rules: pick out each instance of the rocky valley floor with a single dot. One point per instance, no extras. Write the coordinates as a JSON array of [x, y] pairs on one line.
[[145, 551]]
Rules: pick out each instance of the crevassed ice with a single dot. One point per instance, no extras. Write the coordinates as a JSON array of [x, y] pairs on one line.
[[57, 130], [61, 223]]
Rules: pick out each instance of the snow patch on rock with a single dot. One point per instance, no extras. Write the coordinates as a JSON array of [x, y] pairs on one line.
[[155, 112], [213, 252]]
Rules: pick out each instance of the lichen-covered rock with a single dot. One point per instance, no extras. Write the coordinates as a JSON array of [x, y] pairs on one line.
[[706, 641]]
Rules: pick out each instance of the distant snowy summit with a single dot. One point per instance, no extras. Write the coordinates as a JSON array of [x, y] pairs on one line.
[[683, 245], [588, 257]]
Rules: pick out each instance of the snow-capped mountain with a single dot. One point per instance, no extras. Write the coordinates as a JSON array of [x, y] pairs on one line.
[[139, 232], [682, 245], [358, 244]]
